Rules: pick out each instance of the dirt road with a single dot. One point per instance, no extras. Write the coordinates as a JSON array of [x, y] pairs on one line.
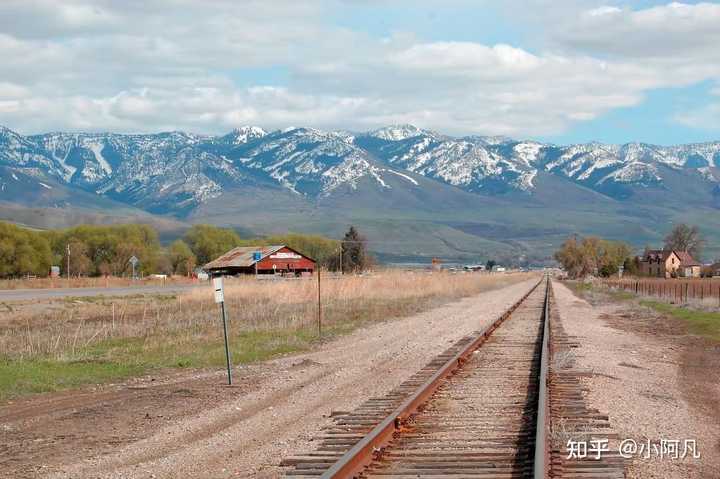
[[192, 426]]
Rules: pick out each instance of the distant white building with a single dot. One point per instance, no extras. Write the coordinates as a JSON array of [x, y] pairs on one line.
[[499, 269], [474, 267]]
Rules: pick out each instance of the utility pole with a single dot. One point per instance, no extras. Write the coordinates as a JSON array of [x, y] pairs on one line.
[[319, 306], [341, 258], [68, 263]]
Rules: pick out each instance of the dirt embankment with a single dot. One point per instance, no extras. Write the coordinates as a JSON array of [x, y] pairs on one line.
[[653, 379], [191, 426]]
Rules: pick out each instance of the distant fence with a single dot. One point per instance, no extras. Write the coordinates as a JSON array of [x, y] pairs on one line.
[[700, 290]]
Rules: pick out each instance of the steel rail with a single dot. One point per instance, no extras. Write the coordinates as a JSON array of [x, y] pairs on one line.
[[542, 425], [363, 452]]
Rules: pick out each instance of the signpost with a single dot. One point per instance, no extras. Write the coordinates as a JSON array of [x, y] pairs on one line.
[[134, 262], [220, 298], [319, 308]]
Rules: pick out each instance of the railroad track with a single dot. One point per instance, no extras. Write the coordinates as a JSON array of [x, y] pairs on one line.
[[480, 409]]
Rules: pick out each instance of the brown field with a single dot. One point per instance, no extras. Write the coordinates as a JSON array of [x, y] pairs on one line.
[[88, 282], [68, 342]]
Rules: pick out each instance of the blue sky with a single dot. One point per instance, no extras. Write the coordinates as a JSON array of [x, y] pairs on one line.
[[651, 121], [560, 71]]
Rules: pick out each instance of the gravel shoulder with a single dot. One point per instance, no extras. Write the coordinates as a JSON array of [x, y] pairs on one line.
[[189, 425], [654, 380]]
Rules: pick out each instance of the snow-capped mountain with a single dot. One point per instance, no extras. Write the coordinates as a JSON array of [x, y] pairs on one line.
[[306, 161], [176, 171], [498, 164], [242, 135]]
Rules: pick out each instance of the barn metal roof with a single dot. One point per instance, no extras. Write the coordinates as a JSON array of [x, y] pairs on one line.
[[241, 257]]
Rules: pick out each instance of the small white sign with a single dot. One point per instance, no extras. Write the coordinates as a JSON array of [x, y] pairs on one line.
[[219, 293], [286, 256]]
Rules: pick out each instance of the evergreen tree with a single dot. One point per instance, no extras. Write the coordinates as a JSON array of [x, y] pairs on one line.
[[354, 252]]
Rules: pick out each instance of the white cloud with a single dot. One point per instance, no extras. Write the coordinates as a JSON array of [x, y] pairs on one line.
[[147, 66], [604, 10], [671, 33], [456, 58], [704, 118], [12, 91]]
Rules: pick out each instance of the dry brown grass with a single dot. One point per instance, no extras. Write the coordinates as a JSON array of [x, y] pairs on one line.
[[266, 318], [66, 328], [87, 282]]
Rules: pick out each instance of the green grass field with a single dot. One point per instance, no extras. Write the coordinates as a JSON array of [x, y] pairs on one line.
[[701, 323], [120, 358]]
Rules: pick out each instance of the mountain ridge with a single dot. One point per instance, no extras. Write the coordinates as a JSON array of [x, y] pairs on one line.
[[362, 176], [475, 163]]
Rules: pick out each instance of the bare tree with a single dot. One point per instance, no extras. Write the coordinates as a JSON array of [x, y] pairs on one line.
[[685, 238]]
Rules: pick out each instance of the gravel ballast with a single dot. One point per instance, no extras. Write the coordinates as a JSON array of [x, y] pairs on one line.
[[639, 380]]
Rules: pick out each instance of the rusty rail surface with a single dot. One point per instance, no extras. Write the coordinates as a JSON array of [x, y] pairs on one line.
[[472, 412], [541, 464]]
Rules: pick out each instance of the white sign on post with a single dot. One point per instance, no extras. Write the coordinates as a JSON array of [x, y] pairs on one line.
[[218, 286], [220, 298]]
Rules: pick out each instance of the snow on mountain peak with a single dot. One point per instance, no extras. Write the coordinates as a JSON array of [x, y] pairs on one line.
[[179, 170], [244, 134], [396, 132], [527, 151], [251, 130]]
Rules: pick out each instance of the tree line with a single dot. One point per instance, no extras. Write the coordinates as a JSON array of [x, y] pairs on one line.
[[100, 250], [591, 255]]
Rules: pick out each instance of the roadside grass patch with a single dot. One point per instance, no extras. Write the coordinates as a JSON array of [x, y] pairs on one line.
[[20, 377], [701, 323], [621, 295], [102, 299]]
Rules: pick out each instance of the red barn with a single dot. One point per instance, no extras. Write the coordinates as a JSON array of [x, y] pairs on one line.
[[279, 259]]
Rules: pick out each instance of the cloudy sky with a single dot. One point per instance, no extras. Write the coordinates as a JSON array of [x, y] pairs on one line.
[[555, 70]]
